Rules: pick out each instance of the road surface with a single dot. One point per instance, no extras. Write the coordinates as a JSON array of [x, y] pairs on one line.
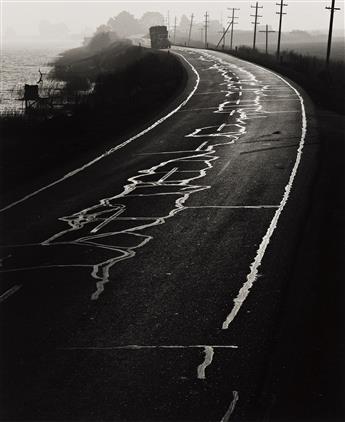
[[148, 283]]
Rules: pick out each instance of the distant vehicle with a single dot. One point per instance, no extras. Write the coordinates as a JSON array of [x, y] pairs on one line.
[[159, 37]]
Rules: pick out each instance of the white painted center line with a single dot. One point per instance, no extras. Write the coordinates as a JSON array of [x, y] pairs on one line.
[[145, 346], [232, 206], [201, 369]]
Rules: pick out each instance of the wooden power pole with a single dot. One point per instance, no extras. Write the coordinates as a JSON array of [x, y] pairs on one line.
[[233, 17], [280, 13], [175, 24], [224, 32], [190, 28], [223, 37], [206, 26], [329, 43], [255, 23], [202, 33], [267, 31], [168, 20]]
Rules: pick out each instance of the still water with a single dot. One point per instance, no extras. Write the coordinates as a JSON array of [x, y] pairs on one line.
[[20, 64]]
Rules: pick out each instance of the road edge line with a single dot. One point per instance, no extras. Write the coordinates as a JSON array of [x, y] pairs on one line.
[[256, 263]]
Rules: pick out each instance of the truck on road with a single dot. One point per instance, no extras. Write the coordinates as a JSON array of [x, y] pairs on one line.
[[159, 37]]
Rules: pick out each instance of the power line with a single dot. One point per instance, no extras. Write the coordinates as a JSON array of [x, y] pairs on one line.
[[255, 23], [190, 28], [329, 43], [280, 13], [233, 17], [267, 31]]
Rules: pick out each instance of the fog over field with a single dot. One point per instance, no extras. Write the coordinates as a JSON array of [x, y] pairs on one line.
[[76, 19]]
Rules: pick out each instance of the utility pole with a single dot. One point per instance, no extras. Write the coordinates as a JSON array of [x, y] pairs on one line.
[[224, 34], [168, 21], [206, 26], [175, 24], [267, 32], [223, 37], [329, 44], [202, 33], [281, 13], [255, 23], [190, 28], [233, 17]]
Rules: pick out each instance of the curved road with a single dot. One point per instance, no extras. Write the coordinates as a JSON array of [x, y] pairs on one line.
[[149, 283]]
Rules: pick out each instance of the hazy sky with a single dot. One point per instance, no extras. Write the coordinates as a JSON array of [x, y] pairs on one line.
[[24, 16]]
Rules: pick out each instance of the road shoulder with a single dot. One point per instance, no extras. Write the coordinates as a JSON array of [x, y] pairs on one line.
[[307, 376]]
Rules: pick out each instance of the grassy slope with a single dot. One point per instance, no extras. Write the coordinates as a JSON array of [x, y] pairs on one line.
[[326, 87], [308, 368]]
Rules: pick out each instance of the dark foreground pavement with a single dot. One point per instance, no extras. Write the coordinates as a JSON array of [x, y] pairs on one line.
[[307, 381], [152, 285]]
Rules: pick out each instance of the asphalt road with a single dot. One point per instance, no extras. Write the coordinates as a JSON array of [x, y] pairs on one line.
[[149, 284]]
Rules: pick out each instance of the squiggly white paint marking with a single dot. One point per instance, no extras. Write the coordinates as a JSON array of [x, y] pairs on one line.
[[99, 226], [253, 274], [201, 370], [112, 150]]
